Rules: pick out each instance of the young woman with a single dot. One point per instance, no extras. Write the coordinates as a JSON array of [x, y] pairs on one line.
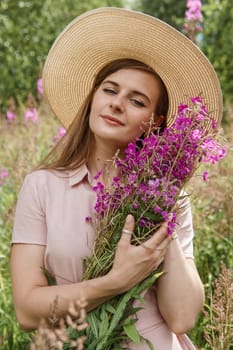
[[106, 97]]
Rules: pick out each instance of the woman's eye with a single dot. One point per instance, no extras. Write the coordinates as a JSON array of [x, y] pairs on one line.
[[109, 91], [138, 102]]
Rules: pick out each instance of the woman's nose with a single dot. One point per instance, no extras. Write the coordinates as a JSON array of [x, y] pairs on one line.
[[117, 103]]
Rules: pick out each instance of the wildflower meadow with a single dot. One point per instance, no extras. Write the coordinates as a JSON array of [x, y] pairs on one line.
[[24, 142]]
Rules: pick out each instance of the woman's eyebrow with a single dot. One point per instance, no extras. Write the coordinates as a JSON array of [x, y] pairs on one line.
[[136, 92]]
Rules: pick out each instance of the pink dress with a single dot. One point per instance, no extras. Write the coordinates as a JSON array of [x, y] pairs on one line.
[[51, 211]]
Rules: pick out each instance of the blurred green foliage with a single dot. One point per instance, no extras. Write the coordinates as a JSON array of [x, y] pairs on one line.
[[29, 27], [170, 11], [213, 242], [22, 146], [216, 41], [27, 30]]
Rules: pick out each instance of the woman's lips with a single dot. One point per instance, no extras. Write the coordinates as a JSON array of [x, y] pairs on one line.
[[112, 120]]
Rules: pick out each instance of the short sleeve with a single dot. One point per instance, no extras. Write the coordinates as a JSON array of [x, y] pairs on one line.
[[185, 226], [29, 223]]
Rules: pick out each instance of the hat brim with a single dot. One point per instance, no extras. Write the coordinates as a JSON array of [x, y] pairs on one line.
[[100, 36]]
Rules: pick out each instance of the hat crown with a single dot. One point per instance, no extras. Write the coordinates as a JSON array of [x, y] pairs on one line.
[[103, 35]]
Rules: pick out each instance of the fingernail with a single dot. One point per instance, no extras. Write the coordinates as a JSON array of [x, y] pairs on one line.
[[129, 218]]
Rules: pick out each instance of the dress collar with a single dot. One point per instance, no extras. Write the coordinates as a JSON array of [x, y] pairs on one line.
[[78, 175]]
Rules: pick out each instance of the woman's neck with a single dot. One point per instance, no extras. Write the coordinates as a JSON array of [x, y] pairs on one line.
[[101, 160]]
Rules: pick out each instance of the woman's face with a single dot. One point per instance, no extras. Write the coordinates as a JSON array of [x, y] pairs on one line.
[[122, 106]]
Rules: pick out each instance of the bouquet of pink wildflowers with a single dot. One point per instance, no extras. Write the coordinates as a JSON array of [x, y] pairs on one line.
[[152, 176]]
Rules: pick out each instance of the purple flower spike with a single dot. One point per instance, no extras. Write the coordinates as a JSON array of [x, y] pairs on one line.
[[153, 174], [205, 175]]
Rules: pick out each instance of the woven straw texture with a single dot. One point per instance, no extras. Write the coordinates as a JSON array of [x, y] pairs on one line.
[[100, 36]]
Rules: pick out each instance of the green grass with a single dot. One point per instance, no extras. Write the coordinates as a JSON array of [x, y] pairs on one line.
[[21, 148]]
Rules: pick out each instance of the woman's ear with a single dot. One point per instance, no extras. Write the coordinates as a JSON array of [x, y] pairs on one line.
[[159, 120]]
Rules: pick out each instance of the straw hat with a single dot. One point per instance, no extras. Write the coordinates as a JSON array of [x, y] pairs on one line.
[[100, 36]]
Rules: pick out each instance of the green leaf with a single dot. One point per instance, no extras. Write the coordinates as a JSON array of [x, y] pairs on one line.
[[139, 298], [150, 345], [110, 308], [131, 331], [104, 324], [152, 216], [132, 311], [93, 322]]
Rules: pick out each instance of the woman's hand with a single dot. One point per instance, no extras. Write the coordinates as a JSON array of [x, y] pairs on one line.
[[33, 297], [132, 264]]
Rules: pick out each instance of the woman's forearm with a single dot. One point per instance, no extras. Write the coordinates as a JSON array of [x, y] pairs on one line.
[[180, 290], [40, 300], [34, 299]]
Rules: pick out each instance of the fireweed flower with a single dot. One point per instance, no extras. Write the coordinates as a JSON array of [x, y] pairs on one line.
[[193, 19], [96, 177], [153, 175], [3, 176], [31, 114], [39, 85], [88, 219], [212, 151], [193, 12], [60, 134], [10, 116], [150, 186], [196, 100], [205, 175], [196, 134], [183, 109]]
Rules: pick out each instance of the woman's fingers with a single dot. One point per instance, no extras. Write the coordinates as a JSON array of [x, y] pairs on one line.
[[158, 241], [128, 228], [160, 237], [138, 261]]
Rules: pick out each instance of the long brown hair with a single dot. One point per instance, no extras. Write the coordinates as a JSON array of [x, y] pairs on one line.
[[74, 148]]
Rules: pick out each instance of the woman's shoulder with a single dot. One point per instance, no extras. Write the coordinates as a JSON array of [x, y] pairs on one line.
[[43, 177], [56, 178], [42, 174]]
